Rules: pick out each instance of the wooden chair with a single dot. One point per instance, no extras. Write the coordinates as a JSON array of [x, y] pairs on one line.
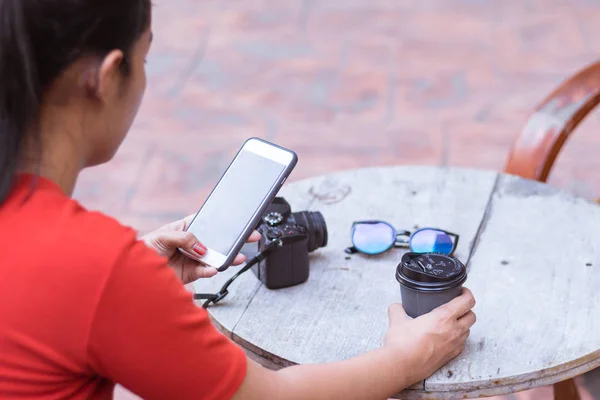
[[536, 148], [534, 151]]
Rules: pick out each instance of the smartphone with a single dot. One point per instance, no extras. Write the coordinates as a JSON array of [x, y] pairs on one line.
[[238, 201]]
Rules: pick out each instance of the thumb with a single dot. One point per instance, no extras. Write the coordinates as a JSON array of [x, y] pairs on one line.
[[171, 240], [396, 314]]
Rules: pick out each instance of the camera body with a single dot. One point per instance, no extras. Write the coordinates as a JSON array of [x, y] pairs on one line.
[[299, 234]]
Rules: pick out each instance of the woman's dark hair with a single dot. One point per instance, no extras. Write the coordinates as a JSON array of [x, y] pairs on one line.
[[39, 39]]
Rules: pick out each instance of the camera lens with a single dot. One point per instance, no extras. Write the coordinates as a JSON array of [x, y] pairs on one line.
[[314, 223]]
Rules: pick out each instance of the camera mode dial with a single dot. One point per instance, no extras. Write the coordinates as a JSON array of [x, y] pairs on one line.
[[273, 218]]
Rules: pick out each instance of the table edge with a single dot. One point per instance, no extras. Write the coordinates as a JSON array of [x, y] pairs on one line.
[[474, 389], [504, 388], [499, 174]]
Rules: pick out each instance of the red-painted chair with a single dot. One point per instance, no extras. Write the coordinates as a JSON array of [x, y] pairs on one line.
[[535, 150]]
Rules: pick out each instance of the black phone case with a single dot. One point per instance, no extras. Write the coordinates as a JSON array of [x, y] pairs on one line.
[[261, 210]]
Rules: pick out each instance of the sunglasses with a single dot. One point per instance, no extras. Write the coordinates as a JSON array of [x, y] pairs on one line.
[[376, 237]]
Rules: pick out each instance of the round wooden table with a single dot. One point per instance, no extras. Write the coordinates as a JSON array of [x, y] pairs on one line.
[[533, 255]]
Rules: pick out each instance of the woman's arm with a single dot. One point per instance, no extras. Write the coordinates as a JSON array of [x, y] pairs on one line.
[[413, 350], [148, 335], [372, 375]]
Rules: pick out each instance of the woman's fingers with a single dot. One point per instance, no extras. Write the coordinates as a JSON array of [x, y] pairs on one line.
[[254, 237], [204, 272], [174, 236], [167, 241], [187, 221], [467, 320], [239, 259], [460, 305]]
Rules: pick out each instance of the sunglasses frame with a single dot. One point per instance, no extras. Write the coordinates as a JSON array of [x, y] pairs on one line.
[[398, 234]]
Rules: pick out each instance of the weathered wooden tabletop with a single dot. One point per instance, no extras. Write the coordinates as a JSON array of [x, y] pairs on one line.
[[533, 255]]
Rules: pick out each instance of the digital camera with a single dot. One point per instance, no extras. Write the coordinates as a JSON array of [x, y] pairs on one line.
[[298, 233]]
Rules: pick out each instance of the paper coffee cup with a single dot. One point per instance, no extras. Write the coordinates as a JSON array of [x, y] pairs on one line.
[[429, 280]]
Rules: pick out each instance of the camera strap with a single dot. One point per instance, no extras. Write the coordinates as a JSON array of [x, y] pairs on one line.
[[223, 292]]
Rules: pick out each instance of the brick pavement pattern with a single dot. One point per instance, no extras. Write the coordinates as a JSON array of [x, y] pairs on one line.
[[346, 83]]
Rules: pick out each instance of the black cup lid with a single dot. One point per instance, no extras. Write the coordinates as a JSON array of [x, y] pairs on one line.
[[430, 271]]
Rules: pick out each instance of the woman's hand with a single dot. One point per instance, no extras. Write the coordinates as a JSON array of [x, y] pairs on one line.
[[170, 237], [433, 339]]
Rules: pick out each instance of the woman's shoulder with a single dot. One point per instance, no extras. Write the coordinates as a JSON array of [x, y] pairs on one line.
[[58, 224], [70, 235], [101, 240], [99, 232]]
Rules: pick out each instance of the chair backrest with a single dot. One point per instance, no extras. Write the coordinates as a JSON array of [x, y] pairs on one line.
[[534, 151]]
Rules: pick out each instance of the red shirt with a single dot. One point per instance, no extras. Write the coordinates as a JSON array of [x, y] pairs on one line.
[[84, 304]]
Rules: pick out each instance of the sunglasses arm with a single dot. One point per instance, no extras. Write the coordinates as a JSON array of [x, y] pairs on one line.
[[455, 244]]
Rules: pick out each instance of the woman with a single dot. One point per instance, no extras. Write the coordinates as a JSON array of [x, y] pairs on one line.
[[85, 304]]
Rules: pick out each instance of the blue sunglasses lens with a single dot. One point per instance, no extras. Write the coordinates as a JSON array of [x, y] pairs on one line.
[[373, 238], [431, 240]]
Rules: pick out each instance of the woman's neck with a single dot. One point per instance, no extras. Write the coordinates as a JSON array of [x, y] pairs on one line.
[[60, 169], [65, 178], [57, 155]]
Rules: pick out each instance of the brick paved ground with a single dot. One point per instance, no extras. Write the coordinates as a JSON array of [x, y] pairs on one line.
[[346, 83]]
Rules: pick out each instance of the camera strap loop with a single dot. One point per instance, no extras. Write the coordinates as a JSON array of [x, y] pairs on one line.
[[223, 292]]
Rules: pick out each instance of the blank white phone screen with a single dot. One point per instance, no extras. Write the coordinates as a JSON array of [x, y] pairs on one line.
[[234, 201]]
